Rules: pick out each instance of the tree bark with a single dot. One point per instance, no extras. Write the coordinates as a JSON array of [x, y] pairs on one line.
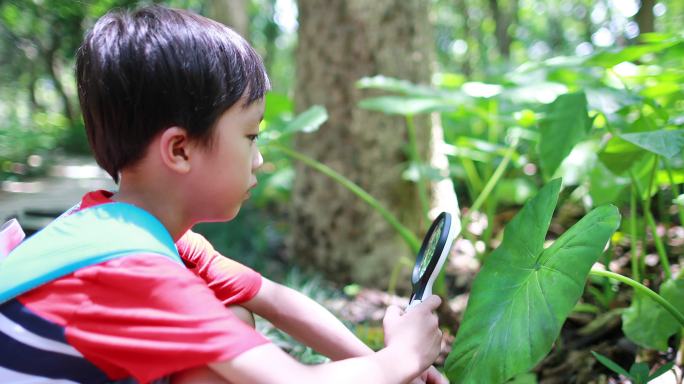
[[503, 21], [645, 18], [50, 64], [462, 7], [31, 88], [340, 42], [232, 13]]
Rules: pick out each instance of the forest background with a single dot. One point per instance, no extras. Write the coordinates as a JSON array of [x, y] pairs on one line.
[[384, 113]]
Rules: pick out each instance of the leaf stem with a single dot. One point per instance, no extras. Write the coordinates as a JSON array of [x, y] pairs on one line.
[[644, 290], [659, 246], [474, 183], [650, 221], [675, 190], [637, 186], [404, 232], [491, 183], [633, 229], [662, 254], [396, 270]]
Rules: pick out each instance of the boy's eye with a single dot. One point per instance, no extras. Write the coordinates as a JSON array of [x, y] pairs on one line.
[[253, 137]]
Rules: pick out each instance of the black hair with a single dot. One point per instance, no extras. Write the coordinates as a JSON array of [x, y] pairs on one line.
[[143, 71]]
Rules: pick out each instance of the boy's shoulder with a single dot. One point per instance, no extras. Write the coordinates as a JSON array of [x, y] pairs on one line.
[[86, 237]]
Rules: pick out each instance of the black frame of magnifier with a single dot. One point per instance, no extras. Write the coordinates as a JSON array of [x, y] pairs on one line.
[[420, 282]]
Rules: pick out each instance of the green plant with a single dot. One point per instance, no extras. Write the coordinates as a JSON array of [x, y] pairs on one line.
[[605, 123], [524, 292], [632, 137], [314, 288], [563, 280], [645, 311], [646, 139], [638, 372]]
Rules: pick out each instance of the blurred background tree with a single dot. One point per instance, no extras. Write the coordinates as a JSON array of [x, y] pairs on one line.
[[339, 43]]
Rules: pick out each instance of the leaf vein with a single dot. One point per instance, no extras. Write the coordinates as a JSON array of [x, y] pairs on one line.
[[564, 274]]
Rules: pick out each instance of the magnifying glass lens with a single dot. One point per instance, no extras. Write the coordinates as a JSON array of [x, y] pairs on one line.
[[430, 250]]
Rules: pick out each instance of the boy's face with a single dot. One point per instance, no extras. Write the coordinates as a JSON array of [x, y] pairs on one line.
[[226, 170]]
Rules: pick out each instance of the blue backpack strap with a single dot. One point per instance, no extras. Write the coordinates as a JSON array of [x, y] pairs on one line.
[[87, 237]]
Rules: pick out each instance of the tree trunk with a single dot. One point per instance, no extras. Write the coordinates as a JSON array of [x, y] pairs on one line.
[[462, 8], [502, 22], [271, 32], [232, 13], [50, 64], [645, 18], [31, 87], [341, 41], [588, 29]]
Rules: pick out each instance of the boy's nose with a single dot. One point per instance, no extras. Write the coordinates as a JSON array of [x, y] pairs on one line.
[[258, 161]]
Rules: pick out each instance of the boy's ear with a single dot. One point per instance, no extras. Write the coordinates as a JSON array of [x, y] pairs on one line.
[[174, 149]]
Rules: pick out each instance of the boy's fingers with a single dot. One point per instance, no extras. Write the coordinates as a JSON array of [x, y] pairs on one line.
[[431, 303], [393, 313], [433, 376]]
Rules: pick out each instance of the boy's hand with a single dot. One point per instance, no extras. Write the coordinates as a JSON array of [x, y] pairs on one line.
[[415, 332], [431, 376]]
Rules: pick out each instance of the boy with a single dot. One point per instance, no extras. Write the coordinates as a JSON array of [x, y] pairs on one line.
[[172, 104]]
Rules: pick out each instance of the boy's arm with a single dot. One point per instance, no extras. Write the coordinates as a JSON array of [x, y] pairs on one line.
[[269, 364], [306, 321], [413, 346]]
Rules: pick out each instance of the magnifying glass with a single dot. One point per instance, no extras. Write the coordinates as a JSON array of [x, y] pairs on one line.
[[431, 257]]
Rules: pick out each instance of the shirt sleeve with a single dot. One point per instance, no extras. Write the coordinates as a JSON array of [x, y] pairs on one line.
[[232, 282], [146, 317]]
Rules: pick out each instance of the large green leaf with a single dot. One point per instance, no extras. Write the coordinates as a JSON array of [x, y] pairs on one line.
[[307, 121], [579, 163], [524, 292], [642, 170], [391, 84], [525, 378], [662, 89], [608, 59], [619, 155], [647, 323], [566, 124], [610, 100], [408, 105], [514, 191], [639, 372], [488, 149], [665, 143], [277, 104], [604, 186], [535, 92]]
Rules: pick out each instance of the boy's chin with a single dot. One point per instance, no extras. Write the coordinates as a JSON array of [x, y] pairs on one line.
[[231, 215], [223, 217]]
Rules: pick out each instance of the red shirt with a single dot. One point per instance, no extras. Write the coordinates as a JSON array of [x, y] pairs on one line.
[[145, 316]]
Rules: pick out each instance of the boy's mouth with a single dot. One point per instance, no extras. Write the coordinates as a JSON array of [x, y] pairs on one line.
[[249, 190]]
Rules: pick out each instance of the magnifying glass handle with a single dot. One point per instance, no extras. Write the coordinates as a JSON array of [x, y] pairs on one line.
[[412, 304], [427, 292]]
